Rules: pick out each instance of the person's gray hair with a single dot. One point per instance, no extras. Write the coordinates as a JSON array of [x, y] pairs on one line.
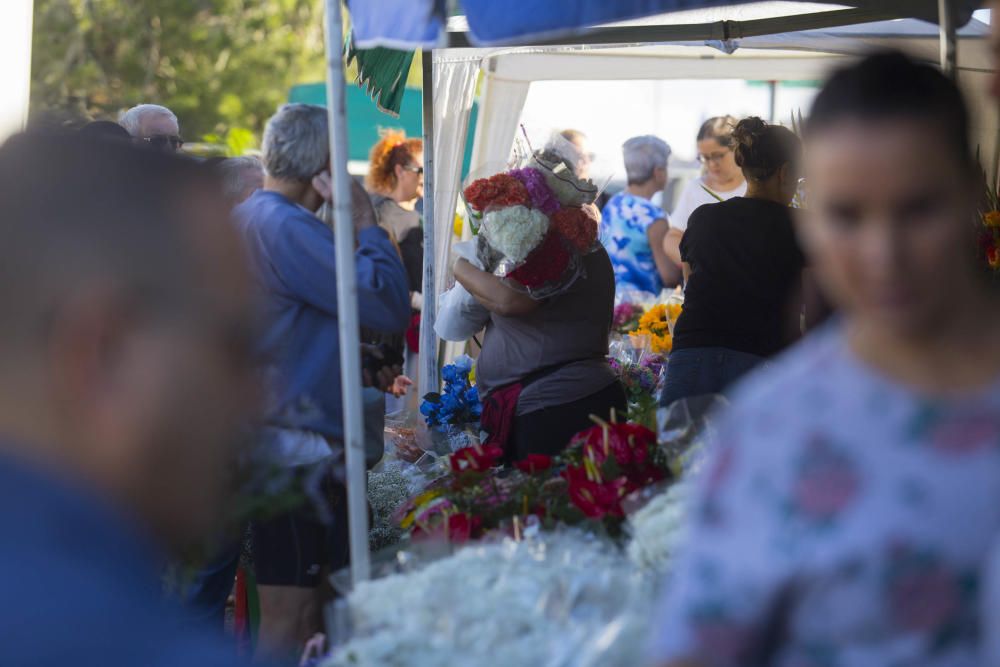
[[234, 174], [131, 119], [643, 155], [296, 142]]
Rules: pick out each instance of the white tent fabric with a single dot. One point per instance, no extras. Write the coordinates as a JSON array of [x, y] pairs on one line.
[[15, 79]]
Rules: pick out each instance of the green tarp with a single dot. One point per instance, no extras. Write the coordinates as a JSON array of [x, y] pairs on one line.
[[364, 119]]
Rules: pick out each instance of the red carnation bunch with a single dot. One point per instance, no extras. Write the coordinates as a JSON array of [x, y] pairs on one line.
[[544, 265], [578, 225], [497, 191]]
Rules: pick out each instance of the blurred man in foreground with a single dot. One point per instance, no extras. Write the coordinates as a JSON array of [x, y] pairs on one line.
[[124, 375]]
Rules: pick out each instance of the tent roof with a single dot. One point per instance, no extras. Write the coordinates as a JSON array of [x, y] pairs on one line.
[[784, 56], [730, 22]]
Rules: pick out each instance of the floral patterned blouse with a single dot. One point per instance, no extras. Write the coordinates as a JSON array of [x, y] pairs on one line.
[[840, 520], [624, 224]]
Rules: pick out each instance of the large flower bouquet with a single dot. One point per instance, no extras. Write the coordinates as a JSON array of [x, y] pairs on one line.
[[584, 486], [534, 222]]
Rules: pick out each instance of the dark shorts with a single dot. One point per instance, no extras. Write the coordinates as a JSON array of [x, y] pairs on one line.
[[296, 547]]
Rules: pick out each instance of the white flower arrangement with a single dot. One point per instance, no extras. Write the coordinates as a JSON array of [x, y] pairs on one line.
[[655, 529], [515, 231], [561, 598]]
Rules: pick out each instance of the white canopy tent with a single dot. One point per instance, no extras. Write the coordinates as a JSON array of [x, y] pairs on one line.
[[507, 75]]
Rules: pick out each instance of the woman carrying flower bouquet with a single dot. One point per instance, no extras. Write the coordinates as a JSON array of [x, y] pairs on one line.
[[547, 358], [853, 492], [743, 270]]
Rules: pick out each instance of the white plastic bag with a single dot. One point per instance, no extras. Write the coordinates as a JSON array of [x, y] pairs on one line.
[[459, 315]]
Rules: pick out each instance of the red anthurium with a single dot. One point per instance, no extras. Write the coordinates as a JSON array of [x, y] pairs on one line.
[[534, 463], [478, 458], [595, 499]]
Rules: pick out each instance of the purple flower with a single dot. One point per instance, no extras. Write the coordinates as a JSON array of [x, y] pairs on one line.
[[542, 196]]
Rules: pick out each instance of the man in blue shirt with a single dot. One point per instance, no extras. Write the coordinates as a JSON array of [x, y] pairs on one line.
[[292, 251], [125, 372]]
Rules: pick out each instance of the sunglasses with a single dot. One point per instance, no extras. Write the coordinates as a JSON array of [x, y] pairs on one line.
[[163, 141], [415, 170]]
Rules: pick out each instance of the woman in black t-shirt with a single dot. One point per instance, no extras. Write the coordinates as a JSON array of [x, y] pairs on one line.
[[743, 270]]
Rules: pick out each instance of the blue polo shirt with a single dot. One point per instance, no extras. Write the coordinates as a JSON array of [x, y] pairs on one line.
[[81, 583]]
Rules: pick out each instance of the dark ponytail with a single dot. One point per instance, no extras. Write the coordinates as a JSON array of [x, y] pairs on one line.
[[891, 85], [762, 149]]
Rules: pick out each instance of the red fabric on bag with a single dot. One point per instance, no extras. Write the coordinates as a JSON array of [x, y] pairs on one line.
[[499, 410], [413, 334]]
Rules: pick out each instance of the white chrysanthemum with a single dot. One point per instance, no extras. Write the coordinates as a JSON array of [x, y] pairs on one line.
[[515, 231]]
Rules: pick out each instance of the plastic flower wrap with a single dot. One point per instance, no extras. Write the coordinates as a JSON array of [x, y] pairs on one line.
[[568, 188]]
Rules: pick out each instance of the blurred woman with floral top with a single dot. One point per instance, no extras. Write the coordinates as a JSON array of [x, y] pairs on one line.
[[844, 515]]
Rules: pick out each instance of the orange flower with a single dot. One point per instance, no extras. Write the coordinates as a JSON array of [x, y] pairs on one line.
[[992, 219]]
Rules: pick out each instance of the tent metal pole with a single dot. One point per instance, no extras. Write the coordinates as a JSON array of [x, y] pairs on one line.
[[428, 357], [949, 37], [347, 298]]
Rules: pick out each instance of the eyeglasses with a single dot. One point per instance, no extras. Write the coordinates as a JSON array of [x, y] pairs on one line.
[[163, 141], [714, 157], [415, 170]]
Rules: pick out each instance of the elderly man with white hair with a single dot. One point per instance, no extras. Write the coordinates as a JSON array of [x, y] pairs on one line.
[[633, 227], [292, 251], [154, 125]]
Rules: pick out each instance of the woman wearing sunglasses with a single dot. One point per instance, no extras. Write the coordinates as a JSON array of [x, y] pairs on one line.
[[396, 181]]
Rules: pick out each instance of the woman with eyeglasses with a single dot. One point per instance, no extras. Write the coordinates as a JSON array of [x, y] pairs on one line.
[[742, 268], [719, 171]]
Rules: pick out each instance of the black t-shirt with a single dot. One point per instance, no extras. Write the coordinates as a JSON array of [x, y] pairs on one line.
[[746, 267]]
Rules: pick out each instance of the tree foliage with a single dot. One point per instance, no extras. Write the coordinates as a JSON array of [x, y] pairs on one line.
[[218, 64]]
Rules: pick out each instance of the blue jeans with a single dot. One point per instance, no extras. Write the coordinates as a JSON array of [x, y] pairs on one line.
[[704, 370]]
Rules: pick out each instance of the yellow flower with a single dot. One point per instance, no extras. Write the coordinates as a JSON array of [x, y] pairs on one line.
[[457, 225], [418, 504], [654, 320], [674, 311], [662, 344], [472, 374]]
